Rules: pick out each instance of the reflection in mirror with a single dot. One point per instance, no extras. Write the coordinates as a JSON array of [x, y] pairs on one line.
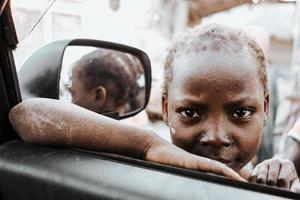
[[102, 80]]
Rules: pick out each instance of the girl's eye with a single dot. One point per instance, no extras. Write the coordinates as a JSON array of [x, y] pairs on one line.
[[242, 113], [189, 113]]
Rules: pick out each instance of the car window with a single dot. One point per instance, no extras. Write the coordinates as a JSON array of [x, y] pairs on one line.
[[26, 17]]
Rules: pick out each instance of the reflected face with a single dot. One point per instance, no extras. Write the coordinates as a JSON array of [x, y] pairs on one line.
[[80, 95], [215, 107]]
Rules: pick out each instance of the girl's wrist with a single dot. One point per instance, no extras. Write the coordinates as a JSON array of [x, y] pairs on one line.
[[153, 146]]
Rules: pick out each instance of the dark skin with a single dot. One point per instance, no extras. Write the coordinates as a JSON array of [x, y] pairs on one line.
[[215, 107]]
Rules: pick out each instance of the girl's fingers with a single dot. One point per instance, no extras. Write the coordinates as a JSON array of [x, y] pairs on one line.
[[276, 172], [286, 175], [213, 166], [254, 174], [172, 155], [221, 169], [273, 173], [262, 174]]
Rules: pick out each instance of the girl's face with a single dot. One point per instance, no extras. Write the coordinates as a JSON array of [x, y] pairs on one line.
[[215, 106]]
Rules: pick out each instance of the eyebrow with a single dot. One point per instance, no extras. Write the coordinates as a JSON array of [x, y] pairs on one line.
[[244, 100], [240, 101], [188, 101]]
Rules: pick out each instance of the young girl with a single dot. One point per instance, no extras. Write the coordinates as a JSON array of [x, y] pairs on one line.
[[215, 100]]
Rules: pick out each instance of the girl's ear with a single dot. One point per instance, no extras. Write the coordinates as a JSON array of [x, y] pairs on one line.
[[266, 107], [164, 104], [100, 95]]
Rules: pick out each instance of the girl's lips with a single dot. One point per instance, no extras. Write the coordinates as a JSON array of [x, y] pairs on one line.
[[222, 160], [213, 155]]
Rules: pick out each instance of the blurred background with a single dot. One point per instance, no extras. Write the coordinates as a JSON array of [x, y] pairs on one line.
[[150, 25]]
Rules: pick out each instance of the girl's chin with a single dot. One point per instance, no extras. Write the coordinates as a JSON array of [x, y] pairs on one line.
[[234, 166]]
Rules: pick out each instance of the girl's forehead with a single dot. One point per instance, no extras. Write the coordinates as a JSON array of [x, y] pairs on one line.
[[210, 70], [205, 61], [222, 86]]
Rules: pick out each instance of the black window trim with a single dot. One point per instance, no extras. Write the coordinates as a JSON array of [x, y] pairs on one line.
[[9, 86]]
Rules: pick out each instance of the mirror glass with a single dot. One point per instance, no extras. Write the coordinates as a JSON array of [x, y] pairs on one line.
[[102, 80]]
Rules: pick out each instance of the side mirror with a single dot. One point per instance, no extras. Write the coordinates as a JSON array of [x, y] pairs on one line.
[[108, 78]]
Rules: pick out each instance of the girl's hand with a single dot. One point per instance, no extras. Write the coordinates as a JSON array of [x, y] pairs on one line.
[[276, 172], [169, 154]]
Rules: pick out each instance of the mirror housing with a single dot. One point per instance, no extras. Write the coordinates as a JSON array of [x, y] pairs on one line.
[[43, 68]]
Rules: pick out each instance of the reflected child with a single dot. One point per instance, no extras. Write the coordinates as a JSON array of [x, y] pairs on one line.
[[104, 81]]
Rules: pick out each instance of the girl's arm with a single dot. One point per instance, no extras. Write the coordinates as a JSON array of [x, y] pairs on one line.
[[57, 123]]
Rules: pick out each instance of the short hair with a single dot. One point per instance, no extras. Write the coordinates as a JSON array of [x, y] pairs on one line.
[[102, 65], [215, 37]]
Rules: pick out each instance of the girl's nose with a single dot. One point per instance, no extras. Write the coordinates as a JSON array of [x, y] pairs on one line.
[[216, 140]]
